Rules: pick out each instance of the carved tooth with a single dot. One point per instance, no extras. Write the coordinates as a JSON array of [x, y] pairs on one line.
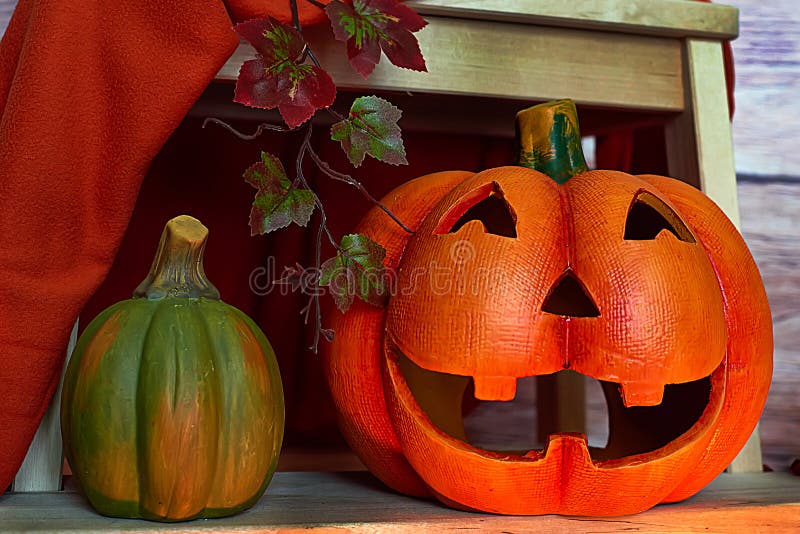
[[495, 388], [639, 394]]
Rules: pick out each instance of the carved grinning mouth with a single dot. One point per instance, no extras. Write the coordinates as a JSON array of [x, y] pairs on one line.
[[449, 403]]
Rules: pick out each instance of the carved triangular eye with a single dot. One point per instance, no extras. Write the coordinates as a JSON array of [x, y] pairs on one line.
[[487, 205], [648, 216]]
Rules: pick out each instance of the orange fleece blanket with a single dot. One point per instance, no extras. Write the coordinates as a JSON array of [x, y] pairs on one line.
[[89, 92]]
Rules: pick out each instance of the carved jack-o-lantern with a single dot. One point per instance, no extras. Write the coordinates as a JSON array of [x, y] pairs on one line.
[[640, 282]]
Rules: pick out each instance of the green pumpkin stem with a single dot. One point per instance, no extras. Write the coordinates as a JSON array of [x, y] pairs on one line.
[[550, 140], [177, 269]]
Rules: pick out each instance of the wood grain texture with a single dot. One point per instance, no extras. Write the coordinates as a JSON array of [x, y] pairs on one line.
[[356, 502], [765, 133], [767, 57], [519, 62], [770, 222], [674, 18], [635, 16], [41, 469], [6, 9], [699, 144]]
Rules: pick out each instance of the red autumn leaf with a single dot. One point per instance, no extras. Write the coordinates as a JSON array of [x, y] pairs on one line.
[[273, 40], [277, 78], [369, 26]]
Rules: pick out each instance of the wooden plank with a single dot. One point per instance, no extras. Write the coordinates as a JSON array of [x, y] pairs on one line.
[[712, 127], [749, 459], [770, 219], [767, 57], [673, 18], [41, 469], [356, 502], [699, 143], [700, 151], [560, 404], [6, 8], [518, 62]]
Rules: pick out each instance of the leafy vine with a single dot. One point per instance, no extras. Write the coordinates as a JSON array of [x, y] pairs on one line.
[[285, 74]]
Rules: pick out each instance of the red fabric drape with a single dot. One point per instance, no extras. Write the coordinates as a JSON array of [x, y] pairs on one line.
[[89, 93]]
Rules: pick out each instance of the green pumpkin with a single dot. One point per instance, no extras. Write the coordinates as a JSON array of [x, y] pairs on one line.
[[172, 405]]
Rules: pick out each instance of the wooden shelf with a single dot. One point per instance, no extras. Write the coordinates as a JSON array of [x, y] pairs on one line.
[[605, 53], [673, 18], [356, 502], [516, 61]]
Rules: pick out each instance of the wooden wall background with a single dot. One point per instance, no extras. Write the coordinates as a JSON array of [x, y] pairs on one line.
[[766, 136]]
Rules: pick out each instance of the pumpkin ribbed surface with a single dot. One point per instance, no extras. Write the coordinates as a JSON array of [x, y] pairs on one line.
[[172, 409]]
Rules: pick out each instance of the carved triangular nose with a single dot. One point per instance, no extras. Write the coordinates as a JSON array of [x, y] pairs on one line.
[[569, 298]]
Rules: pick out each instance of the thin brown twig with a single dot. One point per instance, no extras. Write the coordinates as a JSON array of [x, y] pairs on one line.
[[322, 230], [311, 55], [335, 114], [299, 176], [300, 179], [317, 4], [317, 306], [307, 52], [305, 312], [349, 180], [295, 16], [246, 137]]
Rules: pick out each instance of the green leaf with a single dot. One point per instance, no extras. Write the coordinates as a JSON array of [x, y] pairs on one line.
[[357, 270], [277, 203], [267, 175], [371, 128]]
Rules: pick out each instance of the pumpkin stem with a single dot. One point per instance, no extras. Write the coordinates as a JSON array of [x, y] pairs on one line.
[[550, 140], [177, 269]]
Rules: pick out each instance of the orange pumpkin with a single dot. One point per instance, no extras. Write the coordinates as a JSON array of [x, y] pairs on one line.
[[640, 282]]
